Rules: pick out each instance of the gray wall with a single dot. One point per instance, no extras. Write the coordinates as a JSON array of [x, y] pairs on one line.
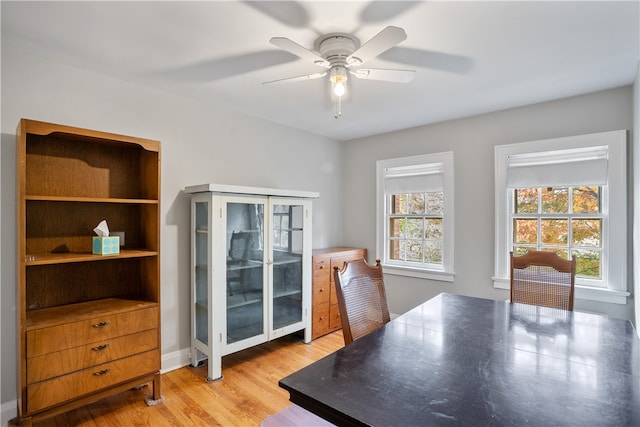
[[472, 141], [635, 191], [199, 144]]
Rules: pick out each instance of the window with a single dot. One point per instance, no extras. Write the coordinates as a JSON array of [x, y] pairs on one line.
[[566, 195], [415, 215], [564, 220], [281, 216]]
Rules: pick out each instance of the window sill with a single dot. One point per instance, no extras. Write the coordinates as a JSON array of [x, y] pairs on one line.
[[582, 292], [394, 270]]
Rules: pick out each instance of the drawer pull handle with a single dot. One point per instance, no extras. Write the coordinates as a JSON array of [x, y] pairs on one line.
[[101, 324], [321, 290], [102, 372], [321, 267], [100, 347]]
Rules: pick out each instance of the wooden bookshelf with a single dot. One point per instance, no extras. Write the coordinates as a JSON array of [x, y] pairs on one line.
[[88, 325]]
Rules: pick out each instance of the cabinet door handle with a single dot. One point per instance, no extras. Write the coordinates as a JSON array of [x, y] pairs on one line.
[[321, 290], [100, 347], [101, 324], [102, 372]]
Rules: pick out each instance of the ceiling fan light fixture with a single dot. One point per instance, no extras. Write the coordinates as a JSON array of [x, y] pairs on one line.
[[338, 79]]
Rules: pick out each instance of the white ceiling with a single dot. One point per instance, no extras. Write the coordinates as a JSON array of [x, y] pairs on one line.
[[470, 57]]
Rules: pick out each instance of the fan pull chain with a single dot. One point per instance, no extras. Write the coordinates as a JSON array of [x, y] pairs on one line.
[[338, 108]]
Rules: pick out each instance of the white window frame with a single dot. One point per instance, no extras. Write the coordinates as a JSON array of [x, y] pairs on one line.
[[442, 273], [613, 287]]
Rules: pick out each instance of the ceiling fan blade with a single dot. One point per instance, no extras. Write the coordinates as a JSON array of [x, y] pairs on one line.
[[298, 78], [429, 59], [293, 14], [301, 51], [221, 68], [381, 42], [381, 11], [397, 76]]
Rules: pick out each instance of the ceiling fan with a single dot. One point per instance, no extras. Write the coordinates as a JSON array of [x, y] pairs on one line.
[[341, 55]]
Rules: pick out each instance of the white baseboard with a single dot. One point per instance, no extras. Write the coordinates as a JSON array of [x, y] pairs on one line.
[[175, 360], [9, 411]]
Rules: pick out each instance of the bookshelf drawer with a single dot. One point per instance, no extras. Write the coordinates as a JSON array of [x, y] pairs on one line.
[[67, 387]]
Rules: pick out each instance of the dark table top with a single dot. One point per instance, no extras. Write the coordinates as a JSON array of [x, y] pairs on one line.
[[465, 361]]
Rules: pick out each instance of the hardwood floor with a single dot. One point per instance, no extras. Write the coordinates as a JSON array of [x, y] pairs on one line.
[[247, 393]]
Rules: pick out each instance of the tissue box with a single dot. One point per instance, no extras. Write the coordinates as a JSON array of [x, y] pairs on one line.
[[106, 245]]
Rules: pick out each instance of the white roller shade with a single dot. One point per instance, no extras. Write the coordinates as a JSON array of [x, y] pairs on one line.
[[414, 179], [584, 166]]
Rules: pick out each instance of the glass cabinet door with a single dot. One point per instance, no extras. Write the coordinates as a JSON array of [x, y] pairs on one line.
[[287, 238], [245, 271], [201, 275]]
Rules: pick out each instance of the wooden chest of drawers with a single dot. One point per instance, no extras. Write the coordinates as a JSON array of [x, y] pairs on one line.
[[325, 312]]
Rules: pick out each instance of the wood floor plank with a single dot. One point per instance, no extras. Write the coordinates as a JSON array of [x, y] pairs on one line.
[[247, 394]]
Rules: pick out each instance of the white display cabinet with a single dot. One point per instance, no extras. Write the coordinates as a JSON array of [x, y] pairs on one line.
[[251, 269]]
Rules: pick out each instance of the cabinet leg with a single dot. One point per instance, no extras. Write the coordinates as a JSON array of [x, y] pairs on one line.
[[22, 422], [156, 396]]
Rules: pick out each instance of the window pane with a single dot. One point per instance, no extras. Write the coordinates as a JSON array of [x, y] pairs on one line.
[[586, 200], [435, 202], [588, 264], [416, 203], [414, 250], [562, 253], [521, 250], [433, 252], [399, 204], [414, 228], [526, 200], [433, 228], [555, 200], [395, 249], [555, 231], [586, 232], [525, 231], [396, 227]]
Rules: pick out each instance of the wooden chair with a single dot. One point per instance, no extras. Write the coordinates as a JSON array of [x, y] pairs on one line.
[[543, 278], [362, 300], [238, 256]]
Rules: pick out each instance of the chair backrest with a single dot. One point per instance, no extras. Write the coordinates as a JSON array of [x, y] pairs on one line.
[[239, 246], [362, 300], [543, 278]]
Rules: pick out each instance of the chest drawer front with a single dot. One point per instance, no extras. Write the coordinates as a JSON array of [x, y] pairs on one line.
[[321, 266], [334, 317], [320, 321], [339, 262], [62, 362], [321, 290], [57, 390], [74, 334]]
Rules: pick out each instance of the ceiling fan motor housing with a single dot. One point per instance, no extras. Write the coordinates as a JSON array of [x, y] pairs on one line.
[[336, 47]]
